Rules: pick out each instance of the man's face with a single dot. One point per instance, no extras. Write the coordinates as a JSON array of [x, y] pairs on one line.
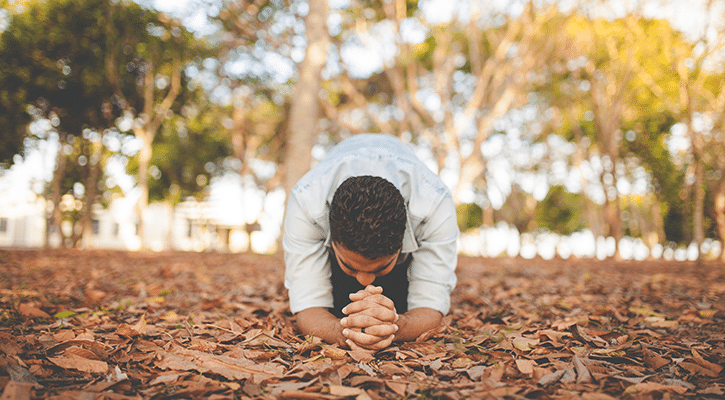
[[363, 269]]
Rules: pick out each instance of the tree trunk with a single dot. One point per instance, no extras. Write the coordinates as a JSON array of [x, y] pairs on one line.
[[698, 193], [720, 212], [55, 219], [303, 121], [89, 199], [144, 159], [612, 213]]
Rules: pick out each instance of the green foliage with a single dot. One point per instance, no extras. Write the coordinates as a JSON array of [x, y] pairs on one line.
[[81, 64], [561, 211], [49, 67], [469, 215], [518, 210], [667, 178], [187, 154], [64, 314]]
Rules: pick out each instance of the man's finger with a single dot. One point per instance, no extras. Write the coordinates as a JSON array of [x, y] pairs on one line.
[[374, 289], [369, 302], [368, 318], [367, 341], [369, 325], [381, 330], [354, 346], [378, 313], [360, 321], [368, 291]]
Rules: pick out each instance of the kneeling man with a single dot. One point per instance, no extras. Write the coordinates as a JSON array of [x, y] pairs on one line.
[[370, 245]]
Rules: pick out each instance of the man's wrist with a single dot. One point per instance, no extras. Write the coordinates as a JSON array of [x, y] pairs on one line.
[[402, 321]]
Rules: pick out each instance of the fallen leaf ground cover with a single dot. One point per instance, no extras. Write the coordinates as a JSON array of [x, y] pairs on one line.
[[116, 325]]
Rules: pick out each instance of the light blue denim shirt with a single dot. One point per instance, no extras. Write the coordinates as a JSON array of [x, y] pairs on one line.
[[430, 236]]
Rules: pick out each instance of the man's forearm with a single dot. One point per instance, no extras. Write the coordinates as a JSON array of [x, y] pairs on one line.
[[318, 321], [416, 321]]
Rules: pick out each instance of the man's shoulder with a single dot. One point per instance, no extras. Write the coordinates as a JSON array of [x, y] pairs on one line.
[[371, 154]]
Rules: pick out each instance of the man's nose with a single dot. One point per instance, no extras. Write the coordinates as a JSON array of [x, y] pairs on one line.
[[365, 278]]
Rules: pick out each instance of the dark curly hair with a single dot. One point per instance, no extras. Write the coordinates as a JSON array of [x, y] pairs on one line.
[[368, 216]]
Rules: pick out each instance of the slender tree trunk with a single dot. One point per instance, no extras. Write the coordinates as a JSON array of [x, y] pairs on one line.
[[89, 199], [144, 160], [720, 215], [698, 192], [145, 132], [655, 233], [303, 122], [238, 142], [56, 218], [612, 211], [720, 212]]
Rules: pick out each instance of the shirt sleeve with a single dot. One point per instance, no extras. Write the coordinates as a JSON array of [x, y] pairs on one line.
[[307, 267], [432, 273]]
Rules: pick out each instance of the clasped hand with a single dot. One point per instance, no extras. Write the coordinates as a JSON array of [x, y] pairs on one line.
[[370, 320]]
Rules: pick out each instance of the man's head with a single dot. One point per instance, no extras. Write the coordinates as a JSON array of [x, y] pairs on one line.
[[368, 217]]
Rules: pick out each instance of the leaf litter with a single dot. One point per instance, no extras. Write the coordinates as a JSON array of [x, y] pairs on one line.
[[104, 324]]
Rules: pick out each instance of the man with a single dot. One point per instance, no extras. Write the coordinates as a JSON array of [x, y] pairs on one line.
[[370, 245]]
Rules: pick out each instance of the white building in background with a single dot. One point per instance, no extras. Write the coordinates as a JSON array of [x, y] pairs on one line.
[[190, 226], [22, 220]]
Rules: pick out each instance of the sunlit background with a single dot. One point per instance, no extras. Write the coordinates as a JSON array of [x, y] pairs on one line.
[[563, 129]]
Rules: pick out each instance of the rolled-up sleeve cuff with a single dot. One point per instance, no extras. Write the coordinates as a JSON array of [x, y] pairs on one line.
[[304, 295], [429, 294]]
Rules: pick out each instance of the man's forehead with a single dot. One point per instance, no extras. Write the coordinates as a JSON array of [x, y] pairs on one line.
[[346, 257]]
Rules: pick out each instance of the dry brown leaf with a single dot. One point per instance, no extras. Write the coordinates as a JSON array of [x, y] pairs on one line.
[[8, 344], [276, 388], [17, 391], [230, 368], [72, 361], [569, 375], [334, 352], [31, 311], [95, 295], [716, 390], [555, 336], [361, 355], [399, 388], [167, 379], [525, 366], [344, 391], [18, 371], [698, 369], [714, 368], [646, 388], [476, 372], [582, 373], [578, 333], [390, 369], [139, 328], [597, 396], [654, 360], [461, 362], [264, 339], [62, 336], [81, 352], [553, 377], [524, 344]]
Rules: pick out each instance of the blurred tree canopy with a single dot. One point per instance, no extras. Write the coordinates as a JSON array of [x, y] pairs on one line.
[[561, 211], [543, 118], [86, 72]]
